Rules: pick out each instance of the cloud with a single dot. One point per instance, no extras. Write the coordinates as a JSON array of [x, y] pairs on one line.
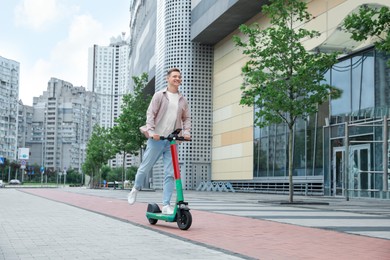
[[40, 14], [70, 56], [34, 81], [68, 60]]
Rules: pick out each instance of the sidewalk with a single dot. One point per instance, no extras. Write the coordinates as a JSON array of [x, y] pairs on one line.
[[33, 227], [225, 225]]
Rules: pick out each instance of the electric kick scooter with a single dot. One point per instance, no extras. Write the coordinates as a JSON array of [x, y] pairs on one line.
[[181, 213]]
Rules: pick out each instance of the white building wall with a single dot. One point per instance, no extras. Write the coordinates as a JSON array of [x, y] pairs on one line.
[[160, 40], [9, 96], [174, 48]]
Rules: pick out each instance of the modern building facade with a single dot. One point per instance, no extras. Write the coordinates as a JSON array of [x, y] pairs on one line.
[[254, 159], [62, 123], [9, 104]]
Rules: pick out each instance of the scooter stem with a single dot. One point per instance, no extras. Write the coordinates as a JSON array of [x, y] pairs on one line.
[[176, 170], [175, 160]]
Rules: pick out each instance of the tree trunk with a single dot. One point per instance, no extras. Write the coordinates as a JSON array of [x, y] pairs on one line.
[[123, 170], [290, 164], [91, 180]]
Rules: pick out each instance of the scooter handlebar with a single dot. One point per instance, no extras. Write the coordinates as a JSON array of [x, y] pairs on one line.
[[170, 138], [174, 136]]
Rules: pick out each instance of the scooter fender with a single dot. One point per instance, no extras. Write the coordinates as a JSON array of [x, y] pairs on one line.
[[153, 208]]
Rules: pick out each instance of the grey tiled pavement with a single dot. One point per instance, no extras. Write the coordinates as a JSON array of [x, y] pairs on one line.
[[36, 228], [32, 227]]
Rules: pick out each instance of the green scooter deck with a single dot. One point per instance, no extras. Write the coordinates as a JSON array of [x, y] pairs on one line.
[[160, 216]]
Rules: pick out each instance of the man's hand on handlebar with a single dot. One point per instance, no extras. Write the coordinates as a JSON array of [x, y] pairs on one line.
[[178, 138]]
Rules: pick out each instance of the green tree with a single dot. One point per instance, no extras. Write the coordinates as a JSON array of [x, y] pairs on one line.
[[114, 174], [281, 79], [99, 151], [370, 22], [87, 167], [131, 172], [105, 171], [73, 177], [126, 136]]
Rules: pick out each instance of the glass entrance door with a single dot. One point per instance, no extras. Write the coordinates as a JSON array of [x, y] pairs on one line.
[[360, 178]]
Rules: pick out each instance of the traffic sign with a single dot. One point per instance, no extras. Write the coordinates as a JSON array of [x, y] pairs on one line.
[[23, 162], [2, 160], [24, 153]]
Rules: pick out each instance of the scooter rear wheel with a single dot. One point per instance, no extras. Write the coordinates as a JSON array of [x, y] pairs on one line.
[[152, 221], [184, 220]]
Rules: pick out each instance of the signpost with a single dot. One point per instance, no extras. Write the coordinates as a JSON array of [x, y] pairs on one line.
[[24, 155], [23, 164], [64, 176], [42, 170], [2, 162]]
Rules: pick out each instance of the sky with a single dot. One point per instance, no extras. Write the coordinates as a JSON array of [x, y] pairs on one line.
[[51, 38]]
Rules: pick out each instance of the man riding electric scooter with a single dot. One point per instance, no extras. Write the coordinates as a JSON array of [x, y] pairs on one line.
[[167, 111]]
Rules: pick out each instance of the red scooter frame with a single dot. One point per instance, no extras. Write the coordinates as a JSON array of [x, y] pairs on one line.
[[181, 213]]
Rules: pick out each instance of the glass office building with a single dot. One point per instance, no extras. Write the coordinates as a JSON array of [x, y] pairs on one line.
[[354, 124]]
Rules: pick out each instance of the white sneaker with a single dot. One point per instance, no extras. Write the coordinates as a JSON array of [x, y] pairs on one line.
[[167, 210], [132, 196]]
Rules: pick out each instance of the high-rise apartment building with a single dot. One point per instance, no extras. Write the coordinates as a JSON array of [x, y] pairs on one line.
[[63, 121], [109, 79], [9, 96], [25, 124]]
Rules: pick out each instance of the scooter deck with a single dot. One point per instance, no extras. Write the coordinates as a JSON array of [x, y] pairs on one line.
[[160, 216]]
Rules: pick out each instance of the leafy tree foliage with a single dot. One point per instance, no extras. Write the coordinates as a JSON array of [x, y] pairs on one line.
[[131, 172], [370, 22], [105, 171], [281, 79], [126, 136], [88, 167], [99, 151], [73, 177], [114, 174]]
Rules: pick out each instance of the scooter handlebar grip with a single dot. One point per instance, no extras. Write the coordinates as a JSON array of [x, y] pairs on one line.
[[161, 138]]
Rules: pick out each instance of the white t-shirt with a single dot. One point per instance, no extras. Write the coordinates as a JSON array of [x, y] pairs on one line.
[[168, 121]]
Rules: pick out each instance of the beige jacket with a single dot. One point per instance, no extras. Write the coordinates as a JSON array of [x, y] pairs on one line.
[[158, 106]]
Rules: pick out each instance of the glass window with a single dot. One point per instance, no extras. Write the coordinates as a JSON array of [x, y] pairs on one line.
[[281, 149], [262, 157], [341, 79], [382, 80], [362, 81]]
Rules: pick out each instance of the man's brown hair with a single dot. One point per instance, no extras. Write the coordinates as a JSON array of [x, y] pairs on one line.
[[172, 70]]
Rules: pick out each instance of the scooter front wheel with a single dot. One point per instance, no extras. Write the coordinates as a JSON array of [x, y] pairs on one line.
[[184, 220], [152, 221]]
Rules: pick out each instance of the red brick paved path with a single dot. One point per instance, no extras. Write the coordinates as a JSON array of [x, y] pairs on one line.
[[254, 238]]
